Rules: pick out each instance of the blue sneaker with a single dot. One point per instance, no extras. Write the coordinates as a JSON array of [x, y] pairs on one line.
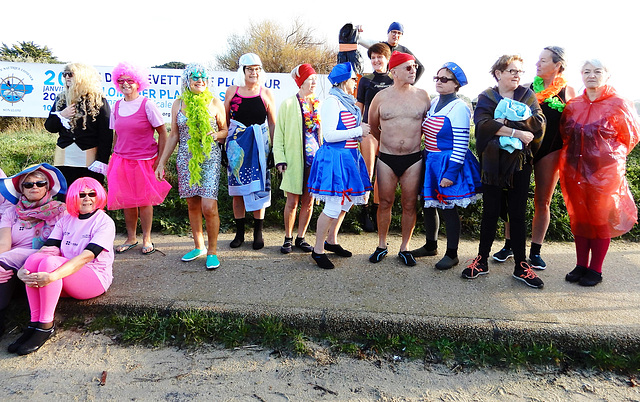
[[378, 255], [193, 254], [537, 262], [212, 261]]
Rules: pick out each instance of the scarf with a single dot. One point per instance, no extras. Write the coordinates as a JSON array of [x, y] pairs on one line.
[[199, 123], [348, 101], [44, 210]]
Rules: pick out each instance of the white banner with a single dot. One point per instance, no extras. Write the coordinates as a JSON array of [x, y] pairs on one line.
[[29, 89]]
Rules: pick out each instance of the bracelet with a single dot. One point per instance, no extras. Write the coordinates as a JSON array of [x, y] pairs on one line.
[[513, 131]]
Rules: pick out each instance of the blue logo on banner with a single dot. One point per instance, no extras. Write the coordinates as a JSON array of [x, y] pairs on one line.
[[13, 89]]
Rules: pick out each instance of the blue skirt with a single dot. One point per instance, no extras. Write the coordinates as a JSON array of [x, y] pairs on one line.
[[466, 186], [339, 172]]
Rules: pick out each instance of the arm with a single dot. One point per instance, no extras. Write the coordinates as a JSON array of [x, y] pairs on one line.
[[374, 116], [216, 108], [5, 239], [162, 142], [105, 134], [172, 141], [278, 138], [330, 115], [271, 112], [41, 279], [227, 102]]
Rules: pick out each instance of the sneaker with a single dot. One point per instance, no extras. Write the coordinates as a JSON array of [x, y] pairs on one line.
[[303, 245], [378, 255], [524, 273], [193, 254], [575, 275], [322, 260], [447, 263], [286, 246], [590, 278], [475, 269], [407, 259], [503, 255], [537, 262], [337, 249], [212, 261], [424, 252]]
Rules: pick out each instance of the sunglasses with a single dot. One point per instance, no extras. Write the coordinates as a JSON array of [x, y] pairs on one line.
[[444, 80], [412, 67], [67, 74], [91, 194], [122, 81], [30, 184]]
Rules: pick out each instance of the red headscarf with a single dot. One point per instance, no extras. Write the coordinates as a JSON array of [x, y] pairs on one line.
[[398, 58], [304, 71]]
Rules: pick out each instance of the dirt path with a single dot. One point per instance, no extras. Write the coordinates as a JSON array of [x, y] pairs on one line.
[[70, 368]]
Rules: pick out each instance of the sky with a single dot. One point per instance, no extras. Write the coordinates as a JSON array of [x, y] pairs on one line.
[[471, 33]]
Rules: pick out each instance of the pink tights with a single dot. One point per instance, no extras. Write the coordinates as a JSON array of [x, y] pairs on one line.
[[83, 284], [598, 249]]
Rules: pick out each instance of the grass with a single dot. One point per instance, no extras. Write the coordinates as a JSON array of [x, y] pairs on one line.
[[191, 328]]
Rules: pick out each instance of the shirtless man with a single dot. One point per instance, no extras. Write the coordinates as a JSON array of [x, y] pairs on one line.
[[395, 119]]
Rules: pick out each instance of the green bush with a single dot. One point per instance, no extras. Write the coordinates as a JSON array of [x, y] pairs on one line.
[[24, 142]]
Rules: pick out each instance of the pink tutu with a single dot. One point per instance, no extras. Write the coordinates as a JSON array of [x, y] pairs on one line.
[[132, 183]]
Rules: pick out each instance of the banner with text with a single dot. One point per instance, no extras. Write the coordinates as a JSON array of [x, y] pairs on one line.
[[29, 89]]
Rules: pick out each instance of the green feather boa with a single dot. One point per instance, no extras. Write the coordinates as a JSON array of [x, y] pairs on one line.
[[199, 123]]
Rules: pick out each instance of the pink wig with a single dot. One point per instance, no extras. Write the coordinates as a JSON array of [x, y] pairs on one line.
[[139, 74], [73, 200]]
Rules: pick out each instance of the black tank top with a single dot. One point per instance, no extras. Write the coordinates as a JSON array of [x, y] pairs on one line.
[[248, 111]]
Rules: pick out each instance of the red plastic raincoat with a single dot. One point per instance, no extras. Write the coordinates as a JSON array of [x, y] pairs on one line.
[[597, 138]]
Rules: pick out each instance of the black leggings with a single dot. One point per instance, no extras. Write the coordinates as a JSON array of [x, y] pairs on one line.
[[451, 223], [516, 209], [7, 290]]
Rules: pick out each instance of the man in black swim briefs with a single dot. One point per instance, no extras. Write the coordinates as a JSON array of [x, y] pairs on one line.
[[395, 118]]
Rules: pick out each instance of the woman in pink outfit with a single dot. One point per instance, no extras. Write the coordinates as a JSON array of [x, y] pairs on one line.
[[131, 174], [75, 261]]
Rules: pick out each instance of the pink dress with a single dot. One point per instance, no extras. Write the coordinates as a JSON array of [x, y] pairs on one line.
[[130, 176]]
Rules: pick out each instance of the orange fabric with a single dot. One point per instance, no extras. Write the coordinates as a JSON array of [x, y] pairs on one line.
[[347, 47], [597, 138]]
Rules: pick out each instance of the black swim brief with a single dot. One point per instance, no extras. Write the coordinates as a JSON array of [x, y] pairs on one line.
[[400, 163]]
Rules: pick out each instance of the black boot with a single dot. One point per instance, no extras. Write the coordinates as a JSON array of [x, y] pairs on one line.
[[258, 241], [239, 239], [39, 337], [365, 219], [28, 332]]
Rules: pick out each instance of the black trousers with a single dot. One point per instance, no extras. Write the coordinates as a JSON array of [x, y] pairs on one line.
[[516, 211]]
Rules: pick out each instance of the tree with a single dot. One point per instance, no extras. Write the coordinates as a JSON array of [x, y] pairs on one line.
[[279, 49], [172, 64], [27, 52]]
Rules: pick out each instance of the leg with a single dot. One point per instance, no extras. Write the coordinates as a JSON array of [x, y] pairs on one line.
[[146, 221], [599, 248], [258, 221], [238, 214], [131, 223], [195, 209], [306, 210], [336, 210], [410, 182], [322, 227], [491, 196], [212, 222], [517, 200], [431, 222], [290, 214], [452, 223], [546, 177], [387, 183]]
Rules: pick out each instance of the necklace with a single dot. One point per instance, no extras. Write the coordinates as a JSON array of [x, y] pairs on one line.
[[549, 94]]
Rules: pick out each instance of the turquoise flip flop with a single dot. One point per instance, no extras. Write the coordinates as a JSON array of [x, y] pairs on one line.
[[123, 248]]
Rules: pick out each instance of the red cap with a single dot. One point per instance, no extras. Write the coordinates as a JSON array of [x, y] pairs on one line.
[[304, 71], [398, 58]]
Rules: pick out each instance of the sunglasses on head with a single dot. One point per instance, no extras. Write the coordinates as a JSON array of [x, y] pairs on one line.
[[30, 184], [91, 194], [444, 80]]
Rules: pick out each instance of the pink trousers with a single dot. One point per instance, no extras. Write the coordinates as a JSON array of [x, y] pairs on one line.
[[83, 284]]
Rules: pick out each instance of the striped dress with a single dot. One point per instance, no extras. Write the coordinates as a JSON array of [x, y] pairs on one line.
[[446, 145]]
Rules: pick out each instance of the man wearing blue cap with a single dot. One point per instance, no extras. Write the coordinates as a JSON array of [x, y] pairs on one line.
[[394, 33]]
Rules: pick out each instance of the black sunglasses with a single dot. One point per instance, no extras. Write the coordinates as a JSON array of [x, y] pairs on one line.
[[91, 194], [444, 80], [30, 184]]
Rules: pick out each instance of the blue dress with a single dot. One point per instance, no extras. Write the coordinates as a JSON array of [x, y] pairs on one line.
[[446, 144], [338, 170]]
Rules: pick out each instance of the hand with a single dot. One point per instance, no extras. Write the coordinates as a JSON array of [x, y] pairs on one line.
[[5, 275], [159, 172], [214, 135], [445, 182], [366, 129], [525, 136], [28, 278], [281, 167], [68, 112]]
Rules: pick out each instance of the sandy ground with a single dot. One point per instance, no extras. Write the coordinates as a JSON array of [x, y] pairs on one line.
[[70, 367]]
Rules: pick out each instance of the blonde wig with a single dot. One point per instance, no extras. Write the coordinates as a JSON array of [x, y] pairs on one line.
[[85, 93]]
